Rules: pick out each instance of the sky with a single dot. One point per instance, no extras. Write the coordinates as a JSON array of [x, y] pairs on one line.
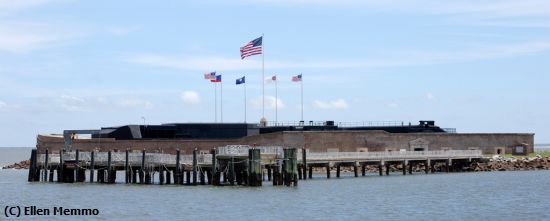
[[479, 66]]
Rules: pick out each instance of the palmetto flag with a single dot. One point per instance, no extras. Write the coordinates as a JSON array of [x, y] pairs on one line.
[[240, 81]]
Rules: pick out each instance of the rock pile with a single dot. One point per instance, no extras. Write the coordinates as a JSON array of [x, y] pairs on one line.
[[497, 163], [25, 164]]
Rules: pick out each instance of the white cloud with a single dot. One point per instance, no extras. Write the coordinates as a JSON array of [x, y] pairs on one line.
[[400, 58], [334, 104], [190, 97], [134, 103], [430, 97], [10, 6], [5, 107], [22, 37], [72, 103], [269, 103]]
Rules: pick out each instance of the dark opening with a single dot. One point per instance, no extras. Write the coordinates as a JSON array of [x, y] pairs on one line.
[[418, 149], [499, 151]]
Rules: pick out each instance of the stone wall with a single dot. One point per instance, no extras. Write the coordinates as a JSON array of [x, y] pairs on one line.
[[316, 141]]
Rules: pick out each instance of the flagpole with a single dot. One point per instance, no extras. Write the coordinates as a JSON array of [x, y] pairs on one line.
[[302, 94], [276, 100], [215, 103], [263, 78], [245, 101], [221, 100]]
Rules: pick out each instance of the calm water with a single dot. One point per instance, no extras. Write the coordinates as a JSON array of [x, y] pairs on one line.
[[457, 196]]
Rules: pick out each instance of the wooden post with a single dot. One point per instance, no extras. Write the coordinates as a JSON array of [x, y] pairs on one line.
[[46, 166], [355, 169], [304, 163], [101, 176], [202, 177], [161, 174], [268, 167], [232, 171], [310, 172], [142, 168], [404, 167], [254, 167], [410, 168], [337, 170], [33, 168], [77, 162], [51, 176], [387, 169], [427, 166], [60, 167], [188, 177], [276, 174], [134, 175], [127, 167], [363, 169], [214, 178], [290, 166], [380, 166], [448, 163], [432, 167], [109, 168], [300, 172], [194, 166], [92, 166], [168, 177], [178, 174], [328, 170]]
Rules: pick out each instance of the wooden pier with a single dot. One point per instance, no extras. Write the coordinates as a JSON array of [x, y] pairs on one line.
[[233, 165]]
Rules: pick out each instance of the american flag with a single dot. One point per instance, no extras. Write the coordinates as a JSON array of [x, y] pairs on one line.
[[253, 47], [210, 76], [297, 78]]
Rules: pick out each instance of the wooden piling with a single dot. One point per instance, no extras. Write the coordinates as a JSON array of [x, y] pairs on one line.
[[337, 170], [142, 168], [33, 166], [304, 163], [410, 168], [427, 166], [328, 170], [92, 166], [268, 168], [355, 170], [404, 167], [127, 167], [178, 176], [46, 166], [77, 163], [194, 166], [232, 171], [168, 177], [310, 172], [188, 177], [60, 167], [363, 169], [161, 174], [51, 176], [387, 169], [254, 167], [214, 178], [380, 167], [290, 167], [109, 168], [202, 177], [101, 176]]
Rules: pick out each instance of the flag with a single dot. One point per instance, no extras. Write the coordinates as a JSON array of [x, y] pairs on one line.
[[297, 78], [253, 47], [240, 81], [210, 76], [217, 79], [274, 78]]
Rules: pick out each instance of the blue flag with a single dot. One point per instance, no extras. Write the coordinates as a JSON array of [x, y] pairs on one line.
[[240, 81]]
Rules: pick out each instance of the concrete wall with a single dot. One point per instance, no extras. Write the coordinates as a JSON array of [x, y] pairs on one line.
[[316, 141]]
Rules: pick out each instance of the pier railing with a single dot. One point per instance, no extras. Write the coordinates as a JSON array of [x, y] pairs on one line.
[[397, 155]]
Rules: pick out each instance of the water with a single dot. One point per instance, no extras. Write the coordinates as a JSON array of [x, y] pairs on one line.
[[519, 195]]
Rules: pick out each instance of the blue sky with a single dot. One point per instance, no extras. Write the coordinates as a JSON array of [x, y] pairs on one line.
[[478, 66]]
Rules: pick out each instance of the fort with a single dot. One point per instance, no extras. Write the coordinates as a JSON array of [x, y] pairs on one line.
[[314, 137], [245, 154]]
